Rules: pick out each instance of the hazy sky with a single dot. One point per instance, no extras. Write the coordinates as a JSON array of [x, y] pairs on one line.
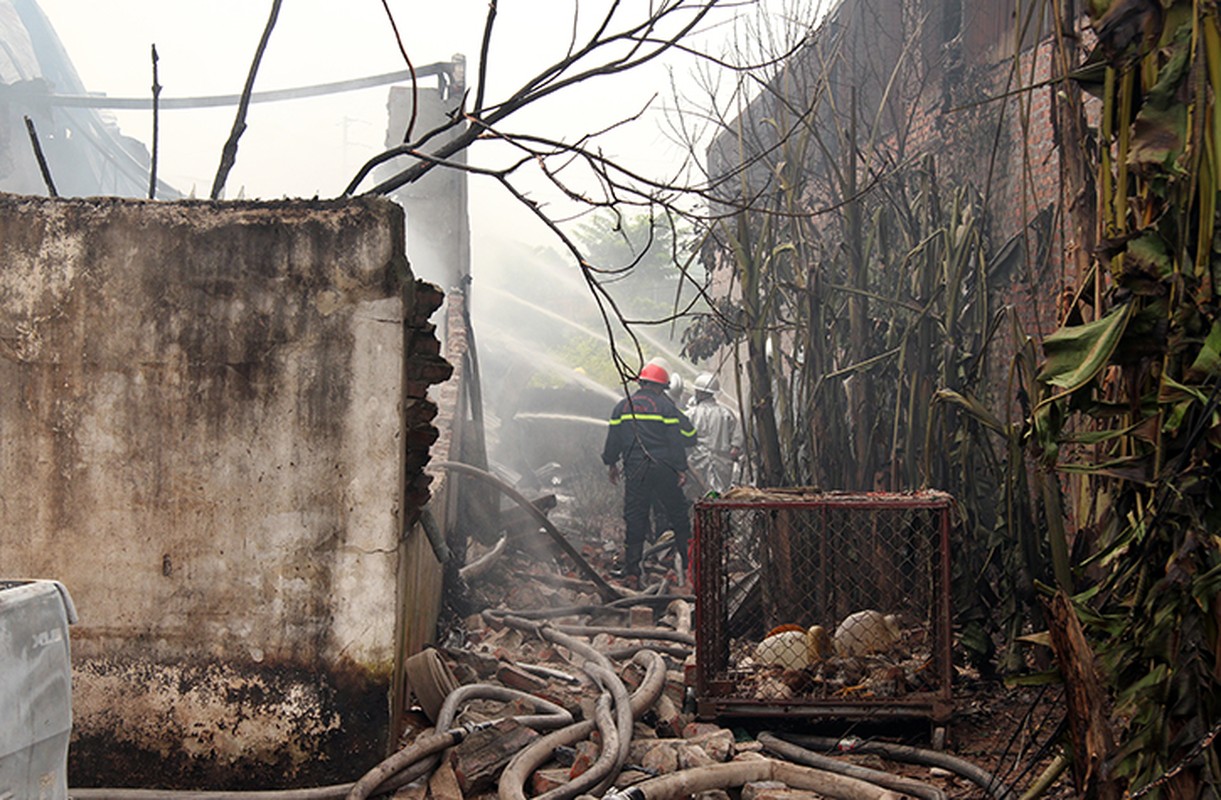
[[313, 146], [308, 147]]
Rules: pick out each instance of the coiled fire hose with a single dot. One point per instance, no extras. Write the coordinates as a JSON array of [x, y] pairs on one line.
[[800, 755], [995, 787], [519, 769], [407, 765], [738, 773]]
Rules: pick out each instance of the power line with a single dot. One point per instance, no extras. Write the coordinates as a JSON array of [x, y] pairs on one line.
[[212, 101]]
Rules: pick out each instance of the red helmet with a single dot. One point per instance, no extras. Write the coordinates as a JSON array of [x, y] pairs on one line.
[[654, 373]]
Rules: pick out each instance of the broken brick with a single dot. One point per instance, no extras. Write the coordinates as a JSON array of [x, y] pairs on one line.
[[544, 780]]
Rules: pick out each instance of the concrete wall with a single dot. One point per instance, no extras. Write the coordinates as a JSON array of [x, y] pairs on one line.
[[438, 230], [202, 435]]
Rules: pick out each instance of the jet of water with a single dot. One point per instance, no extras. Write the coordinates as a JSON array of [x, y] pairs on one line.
[[599, 335], [555, 367], [601, 423]]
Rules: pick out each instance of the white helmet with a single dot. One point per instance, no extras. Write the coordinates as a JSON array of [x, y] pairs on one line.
[[675, 389], [707, 383]]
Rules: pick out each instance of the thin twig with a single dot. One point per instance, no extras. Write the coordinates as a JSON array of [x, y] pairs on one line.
[[484, 49], [152, 171], [42, 161], [229, 154], [415, 88]]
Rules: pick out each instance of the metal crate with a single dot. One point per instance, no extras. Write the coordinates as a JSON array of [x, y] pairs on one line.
[[794, 589]]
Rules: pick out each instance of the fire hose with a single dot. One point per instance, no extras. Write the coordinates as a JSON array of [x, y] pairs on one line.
[[519, 769]]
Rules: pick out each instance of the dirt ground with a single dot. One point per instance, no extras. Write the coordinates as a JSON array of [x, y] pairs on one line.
[[1009, 732]]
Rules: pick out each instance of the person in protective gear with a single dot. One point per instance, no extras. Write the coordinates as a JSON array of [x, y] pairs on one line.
[[650, 436], [720, 436]]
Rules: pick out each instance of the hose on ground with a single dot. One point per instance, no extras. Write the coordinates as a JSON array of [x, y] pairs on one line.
[[739, 773], [558, 611], [800, 755], [604, 589], [985, 780], [662, 634], [519, 769], [627, 651], [649, 600], [624, 721], [407, 764], [599, 667], [333, 792], [421, 748], [336, 792], [604, 764], [644, 697], [548, 672], [552, 716], [620, 606], [479, 567]]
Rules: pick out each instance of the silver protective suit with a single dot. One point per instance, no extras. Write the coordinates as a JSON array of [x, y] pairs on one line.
[[719, 434]]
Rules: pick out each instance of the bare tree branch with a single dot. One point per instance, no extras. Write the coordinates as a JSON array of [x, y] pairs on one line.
[[415, 87], [229, 153], [152, 170]]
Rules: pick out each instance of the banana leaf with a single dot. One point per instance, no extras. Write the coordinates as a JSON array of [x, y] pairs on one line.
[[1076, 354], [1208, 360], [1159, 132]]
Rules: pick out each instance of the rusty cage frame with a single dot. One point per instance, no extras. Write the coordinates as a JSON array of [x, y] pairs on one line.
[[763, 558]]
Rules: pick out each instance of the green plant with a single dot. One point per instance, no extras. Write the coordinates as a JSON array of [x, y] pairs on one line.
[[1131, 400]]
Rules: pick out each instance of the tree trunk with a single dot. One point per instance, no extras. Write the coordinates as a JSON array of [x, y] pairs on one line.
[[1093, 742]]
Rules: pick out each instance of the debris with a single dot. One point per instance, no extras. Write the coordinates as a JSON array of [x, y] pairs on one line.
[[676, 687], [792, 647], [544, 780], [585, 755], [640, 617], [604, 589], [669, 722], [478, 760], [867, 632], [773, 790], [517, 678], [699, 729], [478, 568], [565, 627], [661, 758], [752, 791], [412, 791], [430, 680], [692, 755], [443, 785], [680, 612], [717, 744]]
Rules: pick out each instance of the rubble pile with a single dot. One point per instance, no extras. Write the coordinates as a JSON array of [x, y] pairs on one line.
[[553, 692]]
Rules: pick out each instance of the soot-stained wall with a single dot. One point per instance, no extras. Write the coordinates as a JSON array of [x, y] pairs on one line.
[[201, 435]]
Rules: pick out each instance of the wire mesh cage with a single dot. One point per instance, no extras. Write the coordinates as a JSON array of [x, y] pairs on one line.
[[824, 605]]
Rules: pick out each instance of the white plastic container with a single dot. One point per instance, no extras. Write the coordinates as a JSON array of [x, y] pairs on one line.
[[35, 689]]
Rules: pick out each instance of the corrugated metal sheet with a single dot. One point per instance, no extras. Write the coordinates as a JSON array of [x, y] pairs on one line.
[[35, 689]]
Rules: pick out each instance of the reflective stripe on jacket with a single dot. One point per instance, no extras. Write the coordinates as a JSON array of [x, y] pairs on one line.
[[648, 425]]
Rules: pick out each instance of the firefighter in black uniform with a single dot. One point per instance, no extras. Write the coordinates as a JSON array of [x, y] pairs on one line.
[[651, 436]]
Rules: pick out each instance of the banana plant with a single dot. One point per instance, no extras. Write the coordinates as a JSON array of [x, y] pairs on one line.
[[1129, 405]]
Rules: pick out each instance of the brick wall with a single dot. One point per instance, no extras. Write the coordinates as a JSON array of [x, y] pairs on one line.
[[961, 105]]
